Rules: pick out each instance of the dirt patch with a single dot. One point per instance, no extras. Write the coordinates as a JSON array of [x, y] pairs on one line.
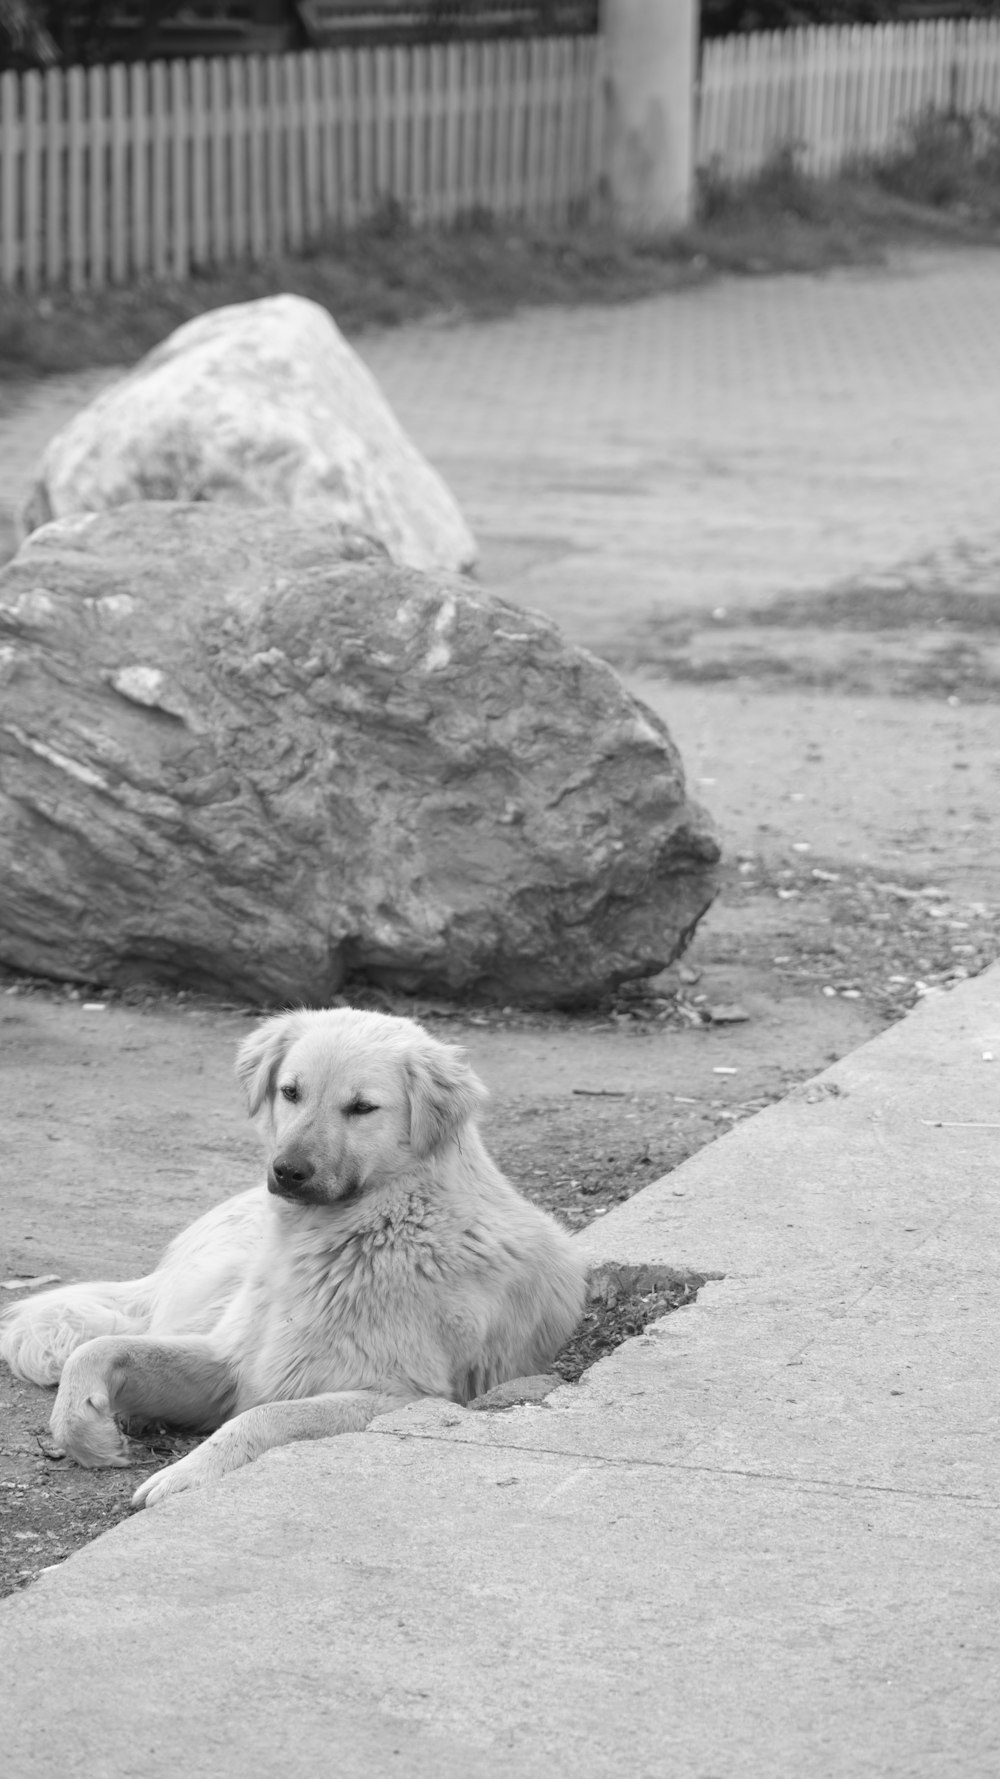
[[622, 1301], [918, 636], [48, 1507]]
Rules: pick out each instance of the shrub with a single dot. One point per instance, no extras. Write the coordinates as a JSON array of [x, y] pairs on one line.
[[946, 161]]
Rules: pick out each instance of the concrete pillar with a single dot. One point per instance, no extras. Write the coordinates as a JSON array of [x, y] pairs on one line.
[[651, 48]]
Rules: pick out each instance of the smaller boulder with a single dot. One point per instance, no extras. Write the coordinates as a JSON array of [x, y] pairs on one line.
[[257, 404]]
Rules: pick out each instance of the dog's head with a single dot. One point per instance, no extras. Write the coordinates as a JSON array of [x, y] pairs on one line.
[[351, 1099]]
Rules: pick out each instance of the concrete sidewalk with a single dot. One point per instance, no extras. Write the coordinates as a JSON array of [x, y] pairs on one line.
[[762, 1539]]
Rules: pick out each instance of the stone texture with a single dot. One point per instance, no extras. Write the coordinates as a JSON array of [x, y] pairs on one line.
[[230, 760], [260, 402], [517, 1391]]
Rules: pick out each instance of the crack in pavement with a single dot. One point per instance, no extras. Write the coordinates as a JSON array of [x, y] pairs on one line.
[[808, 1483]]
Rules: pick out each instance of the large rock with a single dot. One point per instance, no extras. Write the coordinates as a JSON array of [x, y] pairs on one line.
[[258, 403], [230, 761]]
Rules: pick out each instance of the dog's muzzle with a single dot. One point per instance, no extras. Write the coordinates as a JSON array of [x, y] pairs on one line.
[[291, 1176]]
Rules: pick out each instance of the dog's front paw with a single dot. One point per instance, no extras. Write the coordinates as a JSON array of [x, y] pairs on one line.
[[83, 1423], [200, 1466], [86, 1431]]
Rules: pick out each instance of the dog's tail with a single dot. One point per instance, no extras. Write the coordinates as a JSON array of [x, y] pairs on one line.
[[38, 1336]]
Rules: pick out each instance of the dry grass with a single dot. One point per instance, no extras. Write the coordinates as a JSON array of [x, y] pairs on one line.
[[942, 185]]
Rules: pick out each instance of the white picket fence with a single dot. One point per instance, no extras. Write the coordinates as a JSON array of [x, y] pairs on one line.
[[107, 174], [110, 173], [839, 92]]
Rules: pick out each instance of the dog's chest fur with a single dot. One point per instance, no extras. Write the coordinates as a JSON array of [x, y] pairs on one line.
[[342, 1309]]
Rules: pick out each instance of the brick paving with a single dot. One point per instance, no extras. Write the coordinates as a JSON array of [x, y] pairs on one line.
[[709, 447], [719, 445]]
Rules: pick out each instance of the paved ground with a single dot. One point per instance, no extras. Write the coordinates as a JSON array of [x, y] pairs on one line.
[[719, 445], [762, 1539]]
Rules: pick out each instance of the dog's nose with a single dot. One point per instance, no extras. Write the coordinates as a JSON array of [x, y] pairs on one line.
[[289, 1174]]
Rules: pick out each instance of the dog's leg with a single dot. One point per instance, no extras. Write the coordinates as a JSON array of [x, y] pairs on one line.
[[181, 1379], [258, 1430]]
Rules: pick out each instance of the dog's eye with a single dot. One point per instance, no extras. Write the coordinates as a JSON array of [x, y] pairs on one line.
[[359, 1108], [290, 1091]]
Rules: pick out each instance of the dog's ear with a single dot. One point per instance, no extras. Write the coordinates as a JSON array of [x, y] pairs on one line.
[[261, 1055], [443, 1092]]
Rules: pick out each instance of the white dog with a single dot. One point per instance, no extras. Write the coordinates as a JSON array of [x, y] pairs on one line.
[[387, 1259]]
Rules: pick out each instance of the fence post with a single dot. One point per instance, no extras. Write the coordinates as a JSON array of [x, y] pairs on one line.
[[650, 50]]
